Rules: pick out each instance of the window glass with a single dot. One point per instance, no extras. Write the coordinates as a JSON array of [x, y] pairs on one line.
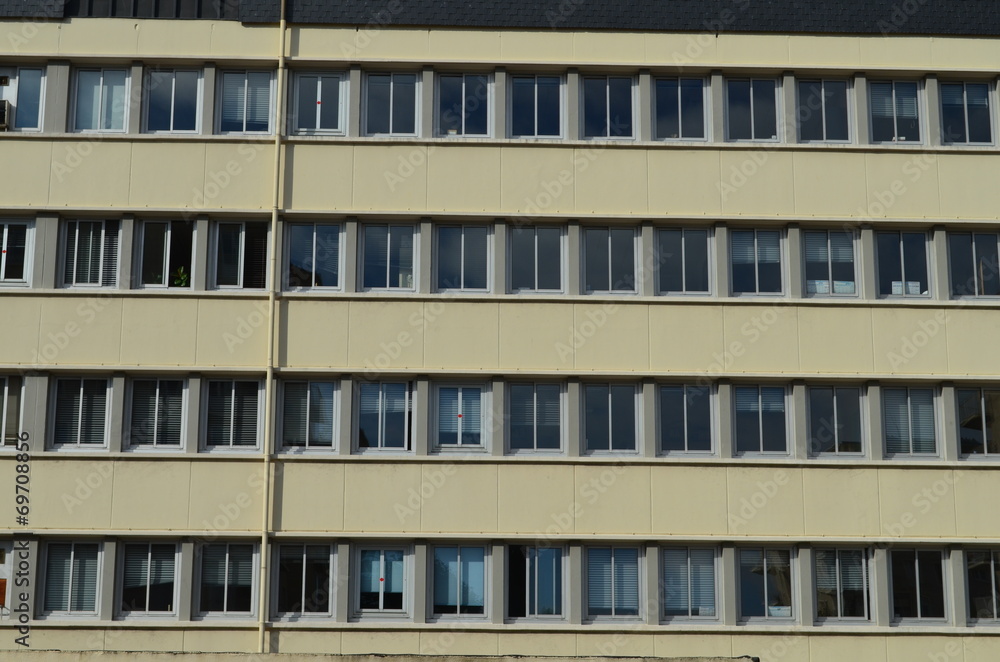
[[917, 584], [81, 411], [72, 572], [459, 580], [983, 575], [610, 417], [232, 414], [308, 414], [685, 419], [157, 413], [536, 106], [382, 580], [388, 256], [613, 581], [902, 263], [751, 111], [28, 104], [535, 417], [304, 574], [534, 581], [841, 583], [148, 578], [965, 113], [765, 583], [172, 100], [822, 111], [227, 574], [680, 108], [384, 415], [978, 414], [894, 111], [10, 410], [607, 106], [463, 104], [13, 252], [688, 583], [101, 100], [974, 263], [683, 260], [392, 104], [834, 420], [313, 255], [909, 419]]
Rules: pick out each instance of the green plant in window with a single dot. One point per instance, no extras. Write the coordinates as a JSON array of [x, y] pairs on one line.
[[181, 278]]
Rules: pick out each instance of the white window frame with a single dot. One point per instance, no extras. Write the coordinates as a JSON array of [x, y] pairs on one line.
[[197, 613], [417, 112], [287, 448], [489, 258], [213, 259], [287, 257], [563, 262], [991, 98], [10, 93], [220, 86], [863, 404], [977, 284], [782, 262], [44, 574], [412, 287], [713, 420], [29, 252], [637, 420], [342, 91], [127, 418], [945, 587], [76, 96], [793, 594], [607, 107], [866, 578], [993, 553], [120, 582], [928, 255], [641, 597], [710, 265], [438, 130], [408, 572], [76, 447], [982, 390], [789, 422], [851, 121], [921, 113], [563, 418], [510, 108], [636, 262], [716, 562], [332, 587], [139, 249], [829, 265], [67, 237], [563, 594], [411, 408], [434, 616], [706, 99], [778, 110], [205, 447], [5, 395], [148, 77], [938, 420], [486, 418]]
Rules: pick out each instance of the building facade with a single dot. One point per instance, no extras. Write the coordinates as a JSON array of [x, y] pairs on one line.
[[530, 329]]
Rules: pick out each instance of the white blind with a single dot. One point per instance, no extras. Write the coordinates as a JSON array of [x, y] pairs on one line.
[[220, 406], [826, 570], [743, 247], [109, 273], [233, 98], [295, 414], [626, 579], [675, 582], [213, 568], [240, 566], [977, 96], [702, 582], [142, 426], [772, 399], [816, 247], [245, 405], [169, 412], [93, 410], [768, 247], [881, 100], [841, 247], [83, 590], [258, 101], [952, 94], [852, 570], [321, 413], [448, 414], [57, 574], [906, 101], [747, 399], [136, 571], [67, 423], [599, 581], [472, 416], [922, 420], [897, 420]]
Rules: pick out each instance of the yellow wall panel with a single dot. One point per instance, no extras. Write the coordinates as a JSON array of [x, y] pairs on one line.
[[66, 639], [765, 501], [693, 645], [138, 487], [461, 335], [551, 329], [527, 643], [386, 334], [835, 340], [771, 648], [611, 337], [539, 180], [967, 353], [537, 498], [221, 641], [23, 38], [853, 516], [753, 49], [464, 500], [836, 649], [238, 175], [300, 487], [122, 639], [903, 52], [184, 187], [671, 488], [981, 53], [159, 331], [464, 45], [91, 173], [762, 338], [978, 649], [160, 38], [459, 643], [914, 504], [232, 332], [610, 181], [71, 494], [607, 644], [968, 186], [305, 642], [902, 185], [529, 47], [321, 43], [463, 179], [232, 39], [26, 177], [404, 44], [683, 182], [824, 50], [391, 178], [226, 496], [680, 49], [382, 497], [319, 177], [612, 499], [902, 344], [93, 326], [973, 490], [606, 47], [302, 322], [687, 338], [366, 642], [756, 182], [99, 37], [815, 191], [901, 649], [22, 339]]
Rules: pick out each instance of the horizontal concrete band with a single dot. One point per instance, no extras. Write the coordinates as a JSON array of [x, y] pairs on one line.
[[118, 656]]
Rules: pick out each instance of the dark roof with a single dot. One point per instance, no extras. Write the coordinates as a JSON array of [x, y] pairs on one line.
[[32, 9]]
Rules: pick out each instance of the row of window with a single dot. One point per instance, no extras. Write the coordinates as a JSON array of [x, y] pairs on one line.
[[538, 105], [304, 582], [538, 261], [534, 417]]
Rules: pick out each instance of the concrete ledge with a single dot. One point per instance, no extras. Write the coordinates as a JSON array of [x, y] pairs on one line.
[[119, 656]]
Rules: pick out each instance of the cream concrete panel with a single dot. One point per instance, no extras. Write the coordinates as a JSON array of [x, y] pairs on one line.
[[693, 645], [756, 182], [917, 503], [140, 485], [774, 648], [683, 182], [321, 43], [461, 335], [762, 338], [160, 38], [91, 329], [159, 331], [152, 186], [463, 178], [903, 52], [26, 169], [230, 38], [59, 639], [686, 338], [20, 334], [611, 337], [526, 643], [237, 176], [612, 499], [391, 178], [968, 186], [765, 501], [539, 180], [383, 497], [974, 490], [225, 496], [824, 50], [232, 332], [160, 640], [385, 642], [907, 649], [319, 176], [305, 642], [605, 47], [904, 343], [548, 46], [386, 334], [221, 641], [459, 643], [313, 333], [395, 45], [815, 193], [837, 340], [753, 49], [98, 36], [838, 649], [949, 53], [536, 498], [464, 45], [535, 336], [967, 353], [23, 37], [610, 180], [679, 49], [71, 494], [309, 496], [981, 649], [671, 493], [856, 493], [902, 185], [615, 644], [90, 173], [465, 498]]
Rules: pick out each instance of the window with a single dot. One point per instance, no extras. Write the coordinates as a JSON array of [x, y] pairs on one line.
[[683, 261], [978, 414], [751, 105], [388, 257], [765, 584], [842, 584], [609, 259], [536, 106], [908, 416], [241, 255], [228, 576], [685, 419], [607, 106], [91, 254], [148, 575], [385, 415], [966, 113], [232, 414], [309, 415], [14, 252], [895, 112], [756, 261], [760, 419], [534, 581], [10, 410], [157, 413], [304, 580], [382, 580], [246, 102], [822, 111], [688, 583], [319, 103], [24, 88], [917, 584], [974, 262], [72, 578], [535, 417], [463, 105], [313, 255], [149, 9], [463, 257], [173, 101], [680, 108], [829, 260], [165, 258], [902, 263], [391, 105], [613, 581], [983, 575], [536, 260], [460, 416], [460, 581], [834, 419], [101, 100], [81, 412], [610, 419]]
